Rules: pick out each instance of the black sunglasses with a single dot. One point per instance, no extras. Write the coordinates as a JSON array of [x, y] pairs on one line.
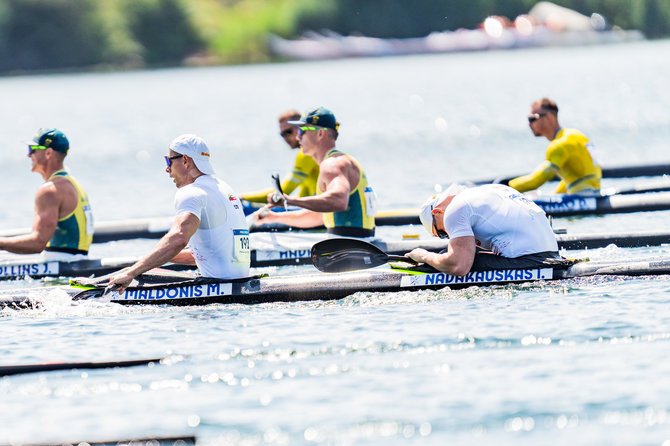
[[535, 116], [439, 232], [168, 159], [286, 132]]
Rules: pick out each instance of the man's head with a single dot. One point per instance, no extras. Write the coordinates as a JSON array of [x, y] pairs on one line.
[[286, 130], [319, 118], [543, 118], [432, 210], [188, 158], [317, 131], [47, 150]]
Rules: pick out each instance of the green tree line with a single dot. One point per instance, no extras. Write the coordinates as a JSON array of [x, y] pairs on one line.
[[94, 34]]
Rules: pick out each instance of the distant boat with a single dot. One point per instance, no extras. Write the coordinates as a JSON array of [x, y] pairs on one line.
[[546, 24]]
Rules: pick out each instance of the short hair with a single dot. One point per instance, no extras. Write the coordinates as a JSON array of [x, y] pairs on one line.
[[290, 115], [548, 105], [332, 132]]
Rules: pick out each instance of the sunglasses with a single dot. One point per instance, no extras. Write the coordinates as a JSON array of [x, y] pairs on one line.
[[168, 159], [439, 232], [535, 116], [302, 130], [285, 133], [33, 148]]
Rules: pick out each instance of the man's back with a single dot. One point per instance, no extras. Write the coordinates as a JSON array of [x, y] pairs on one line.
[[501, 220], [569, 151], [220, 245]]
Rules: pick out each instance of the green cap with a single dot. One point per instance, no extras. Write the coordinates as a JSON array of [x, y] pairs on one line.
[[321, 117], [52, 138]]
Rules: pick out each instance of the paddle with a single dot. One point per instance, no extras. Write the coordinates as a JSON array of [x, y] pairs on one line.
[[6, 370], [338, 255], [279, 192]]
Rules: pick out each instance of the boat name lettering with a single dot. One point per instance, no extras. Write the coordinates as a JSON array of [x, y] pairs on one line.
[[567, 203], [29, 269], [659, 264], [478, 277], [295, 254], [184, 292]]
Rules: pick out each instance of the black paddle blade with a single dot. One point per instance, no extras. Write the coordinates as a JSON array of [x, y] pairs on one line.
[[338, 255], [277, 184]]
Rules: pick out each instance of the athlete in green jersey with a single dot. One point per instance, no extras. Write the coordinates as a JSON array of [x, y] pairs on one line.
[[63, 221]]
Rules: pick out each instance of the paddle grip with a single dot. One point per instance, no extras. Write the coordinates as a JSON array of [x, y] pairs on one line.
[[402, 259]]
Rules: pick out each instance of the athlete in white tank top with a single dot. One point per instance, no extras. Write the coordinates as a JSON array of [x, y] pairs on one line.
[[501, 220], [209, 220], [493, 217], [220, 245]]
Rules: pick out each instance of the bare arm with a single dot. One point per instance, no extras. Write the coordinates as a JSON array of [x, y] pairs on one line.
[[169, 247], [47, 205], [336, 186], [457, 260], [335, 197], [298, 219]]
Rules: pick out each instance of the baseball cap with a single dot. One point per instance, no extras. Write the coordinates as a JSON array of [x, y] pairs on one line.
[[194, 147], [321, 117], [426, 210], [52, 138]]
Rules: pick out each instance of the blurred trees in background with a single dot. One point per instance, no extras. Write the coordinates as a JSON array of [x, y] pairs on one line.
[[84, 34]]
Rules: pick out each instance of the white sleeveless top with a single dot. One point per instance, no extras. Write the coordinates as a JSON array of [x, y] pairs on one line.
[[220, 245], [501, 219]]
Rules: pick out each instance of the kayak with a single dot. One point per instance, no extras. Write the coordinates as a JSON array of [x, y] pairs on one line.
[[277, 249], [162, 287]]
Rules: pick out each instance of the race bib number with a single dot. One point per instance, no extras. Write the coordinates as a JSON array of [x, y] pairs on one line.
[[89, 220], [241, 251], [370, 201]]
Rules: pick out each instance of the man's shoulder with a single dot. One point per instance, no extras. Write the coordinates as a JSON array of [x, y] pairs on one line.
[[567, 136]]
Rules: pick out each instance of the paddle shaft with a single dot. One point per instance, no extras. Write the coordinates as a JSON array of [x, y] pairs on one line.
[[610, 172], [32, 368]]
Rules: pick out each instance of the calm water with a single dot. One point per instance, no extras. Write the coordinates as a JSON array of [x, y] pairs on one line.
[[577, 362]]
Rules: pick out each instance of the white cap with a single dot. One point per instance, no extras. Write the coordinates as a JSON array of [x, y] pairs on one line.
[[194, 147], [426, 211]]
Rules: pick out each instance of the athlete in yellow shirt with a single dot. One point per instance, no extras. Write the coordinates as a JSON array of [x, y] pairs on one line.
[[305, 171], [63, 220], [568, 155]]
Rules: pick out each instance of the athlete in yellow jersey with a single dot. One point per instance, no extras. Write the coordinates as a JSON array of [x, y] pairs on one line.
[[63, 220], [568, 155], [345, 202], [305, 171]]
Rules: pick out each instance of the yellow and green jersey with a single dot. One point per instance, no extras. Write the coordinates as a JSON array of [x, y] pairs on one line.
[[74, 232], [357, 220]]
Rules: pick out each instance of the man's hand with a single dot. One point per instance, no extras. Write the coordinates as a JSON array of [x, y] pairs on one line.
[[275, 199], [418, 254], [120, 281]]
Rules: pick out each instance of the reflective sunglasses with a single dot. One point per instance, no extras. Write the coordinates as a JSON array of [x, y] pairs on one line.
[[33, 147], [302, 130], [168, 159], [535, 116], [439, 232], [285, 133]]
